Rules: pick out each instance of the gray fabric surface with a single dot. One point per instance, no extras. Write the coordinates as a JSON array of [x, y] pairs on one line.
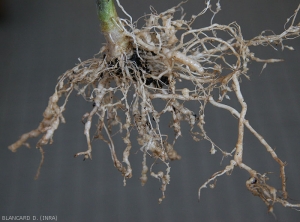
[[39, 40]]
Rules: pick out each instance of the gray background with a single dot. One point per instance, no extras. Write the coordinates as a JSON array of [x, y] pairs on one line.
[[39, 40]]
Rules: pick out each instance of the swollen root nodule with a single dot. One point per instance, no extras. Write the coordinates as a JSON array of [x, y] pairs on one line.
[[138, 66]]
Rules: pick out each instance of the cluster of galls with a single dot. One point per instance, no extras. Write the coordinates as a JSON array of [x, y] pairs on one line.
[[137, 68]]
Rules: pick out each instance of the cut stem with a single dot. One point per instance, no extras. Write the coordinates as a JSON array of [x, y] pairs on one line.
[[113, 29]]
